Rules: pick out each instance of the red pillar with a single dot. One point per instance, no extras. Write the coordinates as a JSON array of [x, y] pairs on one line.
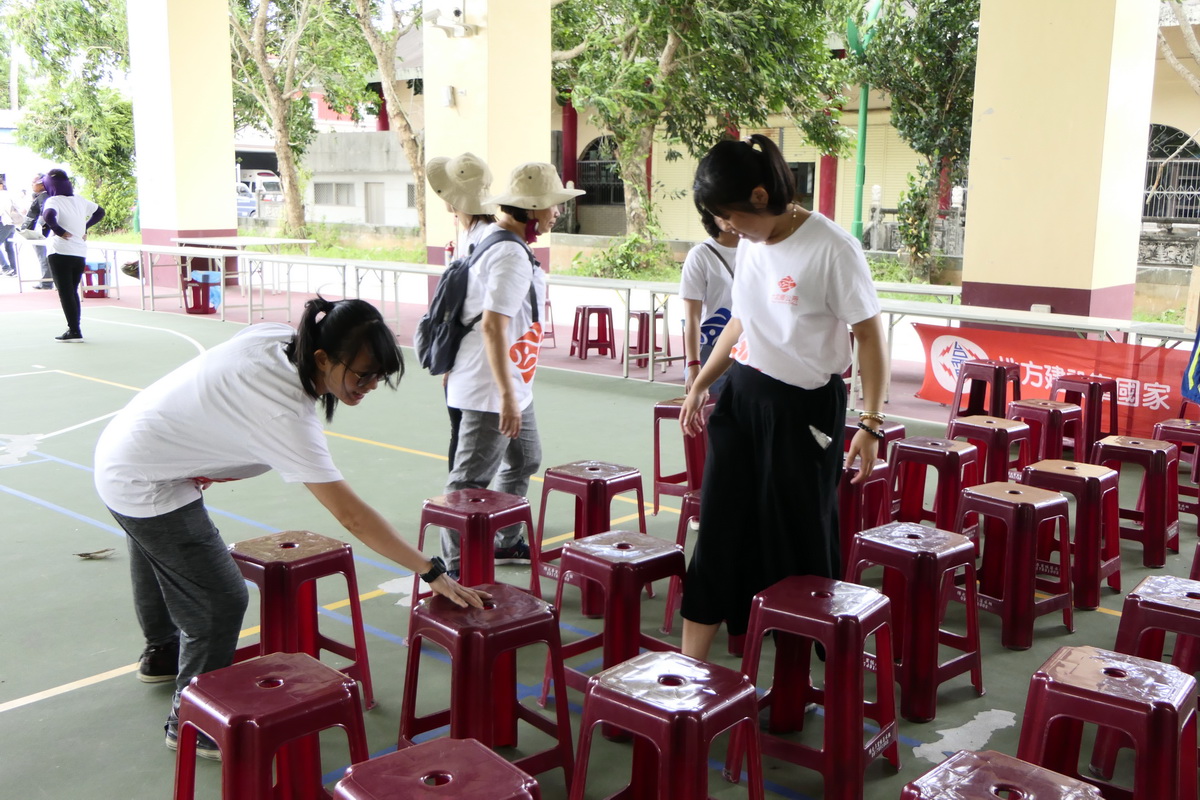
[[570, 129], [827, 191], [381, 122]]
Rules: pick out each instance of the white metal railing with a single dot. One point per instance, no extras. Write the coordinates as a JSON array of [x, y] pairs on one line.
[[1172, 189]]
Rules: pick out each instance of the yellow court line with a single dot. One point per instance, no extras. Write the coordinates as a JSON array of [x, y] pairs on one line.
[[571, 534], [388, 446], [95, 380], [1101, 609]]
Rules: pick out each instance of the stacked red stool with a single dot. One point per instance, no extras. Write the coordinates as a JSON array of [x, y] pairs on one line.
[[988, 390], [285, 567], [956, 465], [483, 697], [440, 769], [863, 505], [1049, 422], [689, 511], [581, 332], [267, 711], [679, 483], [1014, 519], [1184, 434], [1090, 392], [675, 706], [987, 775], [1096, 545], [1156, 517], [920, 566], [841, 617], [1153, 704], [662, 344], [593, 484], [892, 432], [995, 437]]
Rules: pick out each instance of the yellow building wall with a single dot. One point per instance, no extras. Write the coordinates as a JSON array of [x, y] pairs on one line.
[[1174, 103]]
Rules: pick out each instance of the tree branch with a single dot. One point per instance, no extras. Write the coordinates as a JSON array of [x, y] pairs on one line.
[[1185, 27], [567, 55], [1177, 65]]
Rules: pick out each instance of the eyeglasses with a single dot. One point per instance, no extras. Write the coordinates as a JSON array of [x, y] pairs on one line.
[[365, 379]]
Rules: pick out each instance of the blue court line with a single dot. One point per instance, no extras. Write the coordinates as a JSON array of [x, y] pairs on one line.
[[65, 511]]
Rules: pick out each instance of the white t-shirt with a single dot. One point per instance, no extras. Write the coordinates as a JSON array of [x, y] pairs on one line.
[[72, 212], [234, 412], [706, 279], [499, 282], [795, 300]]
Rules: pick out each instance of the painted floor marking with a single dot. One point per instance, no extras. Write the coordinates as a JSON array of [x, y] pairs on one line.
[[972, 736]]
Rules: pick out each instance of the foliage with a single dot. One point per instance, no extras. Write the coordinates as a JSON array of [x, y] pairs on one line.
[[65, 39], [631, 257], [23, 75], [1171, 316], [889, 269], [912, 216]]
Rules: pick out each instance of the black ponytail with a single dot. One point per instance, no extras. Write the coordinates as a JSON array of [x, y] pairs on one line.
[[731, 170], [342, 329]]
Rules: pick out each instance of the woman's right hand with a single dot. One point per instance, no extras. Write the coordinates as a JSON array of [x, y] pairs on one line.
[[689, 377], [457, 593], [691, 415]]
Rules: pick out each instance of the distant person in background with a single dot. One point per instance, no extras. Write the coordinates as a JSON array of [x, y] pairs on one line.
[[31, 218], [8, 218], [65, 221], [706, 288]]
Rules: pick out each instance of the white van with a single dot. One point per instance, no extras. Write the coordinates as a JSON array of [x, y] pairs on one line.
[[263, 183]]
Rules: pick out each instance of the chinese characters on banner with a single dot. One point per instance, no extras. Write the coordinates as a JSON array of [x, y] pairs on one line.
[[1149, 379]]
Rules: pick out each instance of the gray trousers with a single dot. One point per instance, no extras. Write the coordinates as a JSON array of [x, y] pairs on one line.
[[186, 587], [485, 454], [44, 260]]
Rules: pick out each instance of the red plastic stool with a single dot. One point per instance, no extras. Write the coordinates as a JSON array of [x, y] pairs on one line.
[[987, 775], [1049, 422], [988, 391], [675, 706], [840, 616], [694, 449], [477, 515], [1096, 545], [862, 505], [1156, 517], [690, 511], [1153, 704], [1089, 392], [581, 332], [483, 697], [1184, 434], [920, 565], [892, 432], [956, 465], [263, 708], [994, 437], [285, 567], [440, 769], [662, 344], [594, 485], [620, 563], [1012, 571]]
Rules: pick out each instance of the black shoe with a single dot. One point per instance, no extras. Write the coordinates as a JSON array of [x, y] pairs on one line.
[[205, 747], [10, 273], [514, 554], [70, 337], [43, 286], [159, 663]]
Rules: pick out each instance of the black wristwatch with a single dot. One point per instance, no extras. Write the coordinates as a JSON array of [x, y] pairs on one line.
[[436, 571]]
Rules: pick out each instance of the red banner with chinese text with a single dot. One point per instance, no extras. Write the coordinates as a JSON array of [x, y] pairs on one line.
[[1148, 378]]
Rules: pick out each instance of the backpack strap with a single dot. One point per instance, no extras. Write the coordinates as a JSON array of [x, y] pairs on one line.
[[717, 253], [508, 236]]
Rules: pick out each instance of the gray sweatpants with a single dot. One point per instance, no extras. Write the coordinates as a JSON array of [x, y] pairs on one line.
[[186, 587]]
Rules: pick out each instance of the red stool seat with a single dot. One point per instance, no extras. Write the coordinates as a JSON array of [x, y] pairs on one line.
[[285, 567], [841, 617], [955, 464], [594, 484], [1156, 517], [440, 769], [1049, 422], [675, 706], [920, 565], [987, 775], [679, 483], [987, 392], [1096, 545], [1090, 393], [1014, 519], [1153, 704], [1184, 434], [483, 698], [862, 505], [995, 437], [690, 511], [892, 432], [263, 708], [581, 332], [662, 344]]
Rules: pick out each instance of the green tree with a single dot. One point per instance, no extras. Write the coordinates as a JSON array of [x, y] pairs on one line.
[[692, 71], [283, 51], [923, 55]]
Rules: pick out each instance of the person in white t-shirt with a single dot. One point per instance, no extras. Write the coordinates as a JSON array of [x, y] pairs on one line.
[[8, 221], [66, 218], [241, 409], [492, 379], [768, 506], [706, 288]]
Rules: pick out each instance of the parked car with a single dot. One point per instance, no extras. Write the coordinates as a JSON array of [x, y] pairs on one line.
[[246, 204], [263, 184]]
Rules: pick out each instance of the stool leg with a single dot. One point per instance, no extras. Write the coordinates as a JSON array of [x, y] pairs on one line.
[[185, 763]]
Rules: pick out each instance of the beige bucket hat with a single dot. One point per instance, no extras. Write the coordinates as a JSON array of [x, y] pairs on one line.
[[535, 186], [462, 181]]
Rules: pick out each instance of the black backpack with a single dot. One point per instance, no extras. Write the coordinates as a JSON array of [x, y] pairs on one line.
[[440, 332]]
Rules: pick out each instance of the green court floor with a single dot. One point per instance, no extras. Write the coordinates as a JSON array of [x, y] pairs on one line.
[[74, 721]]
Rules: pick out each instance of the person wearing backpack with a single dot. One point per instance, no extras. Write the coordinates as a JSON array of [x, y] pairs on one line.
[[706, 288], [492, 377]]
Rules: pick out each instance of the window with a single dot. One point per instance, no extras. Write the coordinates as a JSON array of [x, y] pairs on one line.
[[599, 174], [1172, 186], [333, 194], [412, 195]]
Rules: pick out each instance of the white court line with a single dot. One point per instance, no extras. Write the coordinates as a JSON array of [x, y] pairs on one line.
[[67, 687], [199, 347], [42, 436], [25, 374]]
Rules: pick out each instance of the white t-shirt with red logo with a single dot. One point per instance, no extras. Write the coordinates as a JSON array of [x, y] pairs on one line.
[[499, 282], [795, 300], [705, 278]]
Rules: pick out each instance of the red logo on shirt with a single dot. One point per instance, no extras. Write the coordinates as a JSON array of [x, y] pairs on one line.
[[787, 284], [740, 352], [524, 353]]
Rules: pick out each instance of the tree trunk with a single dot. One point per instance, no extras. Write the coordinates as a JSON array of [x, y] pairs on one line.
[[289, 175], [414, 151], [631, 156]]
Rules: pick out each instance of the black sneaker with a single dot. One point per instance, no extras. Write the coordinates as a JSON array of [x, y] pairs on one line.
[[70, 336], [205, 747], [43, 286], [159, 663], [514, 554]]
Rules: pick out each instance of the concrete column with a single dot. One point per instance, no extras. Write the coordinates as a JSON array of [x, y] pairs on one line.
[[488, 92], [1058, 149]]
